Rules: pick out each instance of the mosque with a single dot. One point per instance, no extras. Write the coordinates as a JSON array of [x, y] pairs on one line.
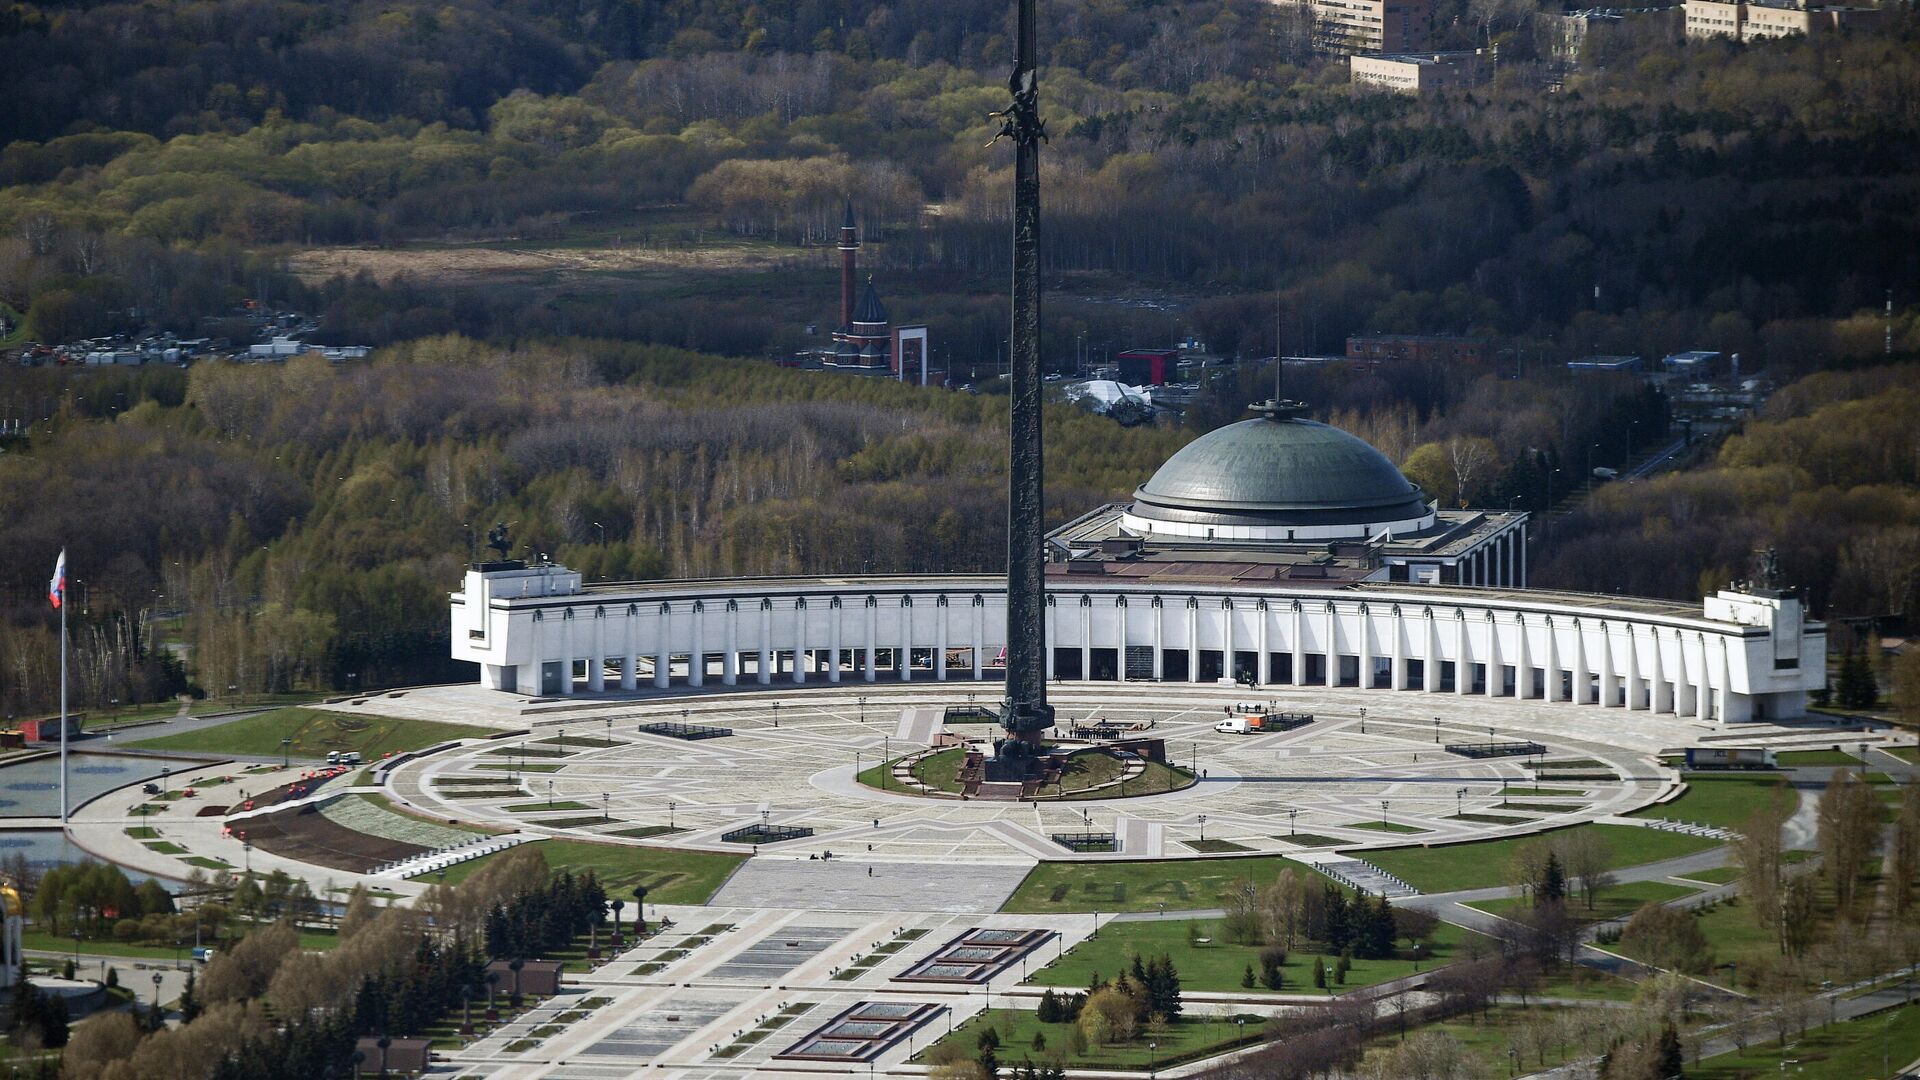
[[1276, 551]]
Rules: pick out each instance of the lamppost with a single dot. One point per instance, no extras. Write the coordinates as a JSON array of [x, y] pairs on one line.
[[606, 806], [776, 714], [1363, 719], [1203, 837], [76, 947], [1293, 813], [1458, 797], [863, 708], [618, 906], [157, 1015], [1513, 1060], [671, 807], [886, 755], [177, 943], [1436, 720], [286, 752], [246, 854], [1383, 813], [1153, 1058], [165, 771], [549, 794]]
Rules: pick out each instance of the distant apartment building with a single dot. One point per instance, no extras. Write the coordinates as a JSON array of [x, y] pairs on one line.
[[1756, 20], [1356, 26], [1418, 347], [1418, 73], [1622, 365]]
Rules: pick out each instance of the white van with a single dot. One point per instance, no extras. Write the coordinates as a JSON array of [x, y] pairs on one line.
[[1234, 726], [333, 757]]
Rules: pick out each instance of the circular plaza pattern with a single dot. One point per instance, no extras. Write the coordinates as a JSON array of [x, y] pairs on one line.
[[788, 761]]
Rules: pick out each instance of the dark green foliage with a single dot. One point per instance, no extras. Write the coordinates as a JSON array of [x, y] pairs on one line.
[[1247, 980], [1272, 960], [1552, 888], [1857, 687], [38, 1015], [1048, 1011], [1319, 974]]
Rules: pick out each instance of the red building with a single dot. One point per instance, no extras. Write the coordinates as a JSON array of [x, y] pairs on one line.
[[1147, 367]]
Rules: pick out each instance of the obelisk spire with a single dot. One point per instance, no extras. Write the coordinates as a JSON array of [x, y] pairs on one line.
[[1025, 712]]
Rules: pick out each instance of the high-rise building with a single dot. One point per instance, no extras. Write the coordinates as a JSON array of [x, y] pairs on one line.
[[1356, 26]]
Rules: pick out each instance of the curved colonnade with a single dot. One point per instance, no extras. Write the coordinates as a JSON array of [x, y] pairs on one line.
[[1740, 656]]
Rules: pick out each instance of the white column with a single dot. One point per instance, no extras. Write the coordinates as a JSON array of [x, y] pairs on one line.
[[730, 663], [1160, 638], [697, 653], [1299, 645], [979, 640], [1397, 679], [1193, 640], [1522, 582], [1226, 638], [940, 638], [566, 644], [1703, 695], [1581, 694], [1553, 662], [1430, 667], [597, 663], [1332, 648], [1053, 635], [835, 614], [629, 656], [1462, 661], [663, 647], [1366, 647], [904, 658], [1659, 699], [1496, 675], [1635, 687], [1523, 661], [1086, 638], [1609, 686], [765, 675], [873, 639], [1126, 630], [1264, 662]]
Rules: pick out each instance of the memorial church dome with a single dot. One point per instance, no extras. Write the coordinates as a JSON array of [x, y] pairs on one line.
[[1279, 476]]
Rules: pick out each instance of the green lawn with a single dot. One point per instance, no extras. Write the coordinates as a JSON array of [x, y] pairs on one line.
[[314, 732], [1307, 839], [1488, 1039], [1904, 753], [1817, 757], [672, 877], [1871, 1046], [42, 941], [1719, 875], [1734, 935], [538, 807], [1220, 965], [1615, 903], [1551, 792], [1481, 864], [1580, 981], [1053, 887], [1190, 1038], [1723, 799], [1385, 826]]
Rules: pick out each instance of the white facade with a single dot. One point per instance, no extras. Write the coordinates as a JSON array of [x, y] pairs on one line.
[[1744, 656]]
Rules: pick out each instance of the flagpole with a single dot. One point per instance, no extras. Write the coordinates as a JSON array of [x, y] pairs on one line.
[[63, 705]]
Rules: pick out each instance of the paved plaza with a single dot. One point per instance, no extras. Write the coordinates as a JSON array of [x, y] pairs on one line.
[[1331, 779]]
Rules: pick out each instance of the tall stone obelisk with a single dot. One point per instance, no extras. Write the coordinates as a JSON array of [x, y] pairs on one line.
[[1025, 713]]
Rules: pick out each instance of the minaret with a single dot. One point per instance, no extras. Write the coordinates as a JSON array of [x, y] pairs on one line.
[[849, 243]]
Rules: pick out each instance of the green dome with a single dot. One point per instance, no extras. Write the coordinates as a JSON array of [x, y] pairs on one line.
[[1279, 471]]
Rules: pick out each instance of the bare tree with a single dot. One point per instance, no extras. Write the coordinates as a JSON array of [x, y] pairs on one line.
[[1588, 860], [1849, 834]]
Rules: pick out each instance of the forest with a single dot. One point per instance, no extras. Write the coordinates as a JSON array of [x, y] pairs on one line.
[[268, 527], [158, 163], [299, 525]]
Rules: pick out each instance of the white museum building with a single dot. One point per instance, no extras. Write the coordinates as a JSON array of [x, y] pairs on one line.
[[1274, 551]]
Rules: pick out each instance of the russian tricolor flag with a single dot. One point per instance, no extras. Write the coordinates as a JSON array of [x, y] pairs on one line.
[[57, 588]]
